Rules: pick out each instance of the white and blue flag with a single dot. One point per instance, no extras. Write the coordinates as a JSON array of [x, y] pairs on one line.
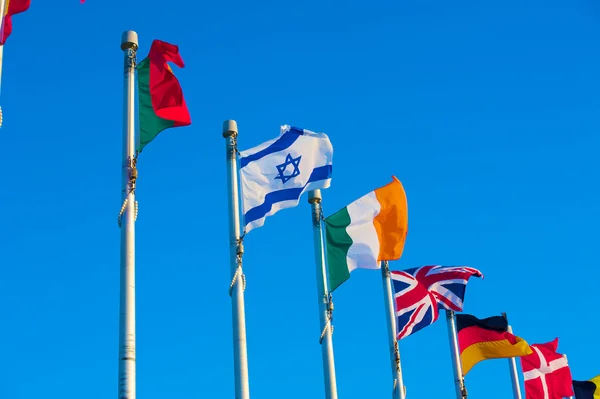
[[275, 174]]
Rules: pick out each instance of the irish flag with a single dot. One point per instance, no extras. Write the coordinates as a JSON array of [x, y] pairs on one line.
[[161, 102], [366, 232]]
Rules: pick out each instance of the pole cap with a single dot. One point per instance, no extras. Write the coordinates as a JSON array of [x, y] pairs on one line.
[[129, 40], [314, 196], [229, 128]]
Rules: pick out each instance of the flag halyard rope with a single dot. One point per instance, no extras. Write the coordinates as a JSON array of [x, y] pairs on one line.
[[329, 322], [238, 271], [318, 220], [133, 173]]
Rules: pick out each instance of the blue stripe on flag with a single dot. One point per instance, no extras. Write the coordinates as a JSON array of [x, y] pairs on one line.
[[427, 320], [296, 130], [259, 212], [457, 289], [283, 142]]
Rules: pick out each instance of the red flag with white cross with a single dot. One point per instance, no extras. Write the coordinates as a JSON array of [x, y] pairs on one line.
[[546, 373]]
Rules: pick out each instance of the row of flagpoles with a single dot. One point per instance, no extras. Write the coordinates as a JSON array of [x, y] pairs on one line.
[[367, 234]]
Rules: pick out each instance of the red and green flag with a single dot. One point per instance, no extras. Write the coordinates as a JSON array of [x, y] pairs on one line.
[[11, 8], [161, 102]]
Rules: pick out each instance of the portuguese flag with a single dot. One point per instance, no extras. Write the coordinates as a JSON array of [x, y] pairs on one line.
[[371, 229], [161, 102], [11, 8]]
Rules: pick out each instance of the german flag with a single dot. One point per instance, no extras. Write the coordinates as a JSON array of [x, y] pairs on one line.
[[587, 389], [483, 339]]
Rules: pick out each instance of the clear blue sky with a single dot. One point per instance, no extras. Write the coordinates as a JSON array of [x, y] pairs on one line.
[[488, 114]]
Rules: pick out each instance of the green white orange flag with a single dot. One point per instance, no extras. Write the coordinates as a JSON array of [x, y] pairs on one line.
[[11, 8], [161, 102], [369, 230]]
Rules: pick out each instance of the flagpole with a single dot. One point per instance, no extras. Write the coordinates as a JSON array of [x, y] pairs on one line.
[[236, 251], [324, 297], [399, 391], [2, 14], [127, 351], [459, 382], [565, 357], [1, 62], [514, 373]]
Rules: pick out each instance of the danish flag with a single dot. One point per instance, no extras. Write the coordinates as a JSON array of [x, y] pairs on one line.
[[546, 373]]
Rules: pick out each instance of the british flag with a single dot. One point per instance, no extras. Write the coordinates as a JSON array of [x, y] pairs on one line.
[[420, 292]]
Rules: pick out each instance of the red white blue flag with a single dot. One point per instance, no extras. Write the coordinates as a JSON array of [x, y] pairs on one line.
[[420, 292]]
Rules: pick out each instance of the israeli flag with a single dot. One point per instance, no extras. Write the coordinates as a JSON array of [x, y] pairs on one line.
[[275, 174]]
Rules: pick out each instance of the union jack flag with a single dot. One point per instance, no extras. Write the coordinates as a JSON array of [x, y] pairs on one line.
[[421, 291]]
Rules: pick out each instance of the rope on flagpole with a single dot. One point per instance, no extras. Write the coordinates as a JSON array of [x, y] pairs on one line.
[[132, 181], [397, 354], [329, 319], [240, 241], [238, 270], [329, 322]]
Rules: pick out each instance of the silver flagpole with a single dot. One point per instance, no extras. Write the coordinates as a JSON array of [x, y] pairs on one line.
[[325, 302], [399, 391], [2, 12], [565, 356], [236, 251], [514, 373], [1, 62], [459, 382], [127, 377]]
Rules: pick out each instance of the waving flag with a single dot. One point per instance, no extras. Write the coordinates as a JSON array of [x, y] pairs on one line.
[[276, 173], [161, 102], [421, 292], [11, 8], [371, 229], [484, 339], [546, 373], [587, 389]]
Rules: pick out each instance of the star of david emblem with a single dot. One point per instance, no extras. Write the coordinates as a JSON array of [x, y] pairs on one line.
[[294, 162]]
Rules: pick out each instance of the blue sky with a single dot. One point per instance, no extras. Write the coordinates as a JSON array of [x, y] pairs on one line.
[[486, 111]]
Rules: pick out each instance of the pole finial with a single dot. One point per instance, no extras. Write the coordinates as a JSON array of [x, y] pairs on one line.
[[314, 196], [129, 40], [229, 128]]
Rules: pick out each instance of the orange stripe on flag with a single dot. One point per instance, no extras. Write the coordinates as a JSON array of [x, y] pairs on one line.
[[391, 223]]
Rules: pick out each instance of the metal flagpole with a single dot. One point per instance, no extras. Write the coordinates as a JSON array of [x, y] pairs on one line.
[[2, 14], [399, 391], [514, 373], [459, 381], [325, 302], [236, 251], [127, 216], [565, 356]]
